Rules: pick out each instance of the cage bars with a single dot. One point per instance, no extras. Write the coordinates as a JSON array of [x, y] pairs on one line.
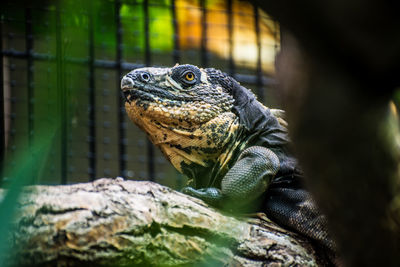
[[92, 97], [203, 45], [259, 83], [176, 51], [2, 118], [147, 61], [62, 93], [120, 112], [231, 62], [92, 64]]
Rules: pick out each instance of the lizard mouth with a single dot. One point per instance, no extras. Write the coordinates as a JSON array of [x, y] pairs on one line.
[[152, 94], [127, 94], [132, 94], [159, 104]]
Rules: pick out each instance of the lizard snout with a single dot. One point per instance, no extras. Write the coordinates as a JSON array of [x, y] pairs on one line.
[[126, 83]]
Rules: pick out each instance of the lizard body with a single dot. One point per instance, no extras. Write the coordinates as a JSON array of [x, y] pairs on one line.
[[233, 149]]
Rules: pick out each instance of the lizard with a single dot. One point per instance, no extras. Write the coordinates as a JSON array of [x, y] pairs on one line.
[[234, 150]]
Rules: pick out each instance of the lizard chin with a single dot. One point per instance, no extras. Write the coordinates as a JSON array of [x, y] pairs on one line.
[[200, 145]]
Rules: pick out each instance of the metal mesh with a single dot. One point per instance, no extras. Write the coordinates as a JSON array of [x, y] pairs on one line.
[[62, 63]]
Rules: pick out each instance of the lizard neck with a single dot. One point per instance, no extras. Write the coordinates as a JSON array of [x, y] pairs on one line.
[[200, 152], [203, 153]]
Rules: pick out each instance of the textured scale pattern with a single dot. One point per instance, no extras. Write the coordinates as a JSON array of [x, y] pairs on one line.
[[251, 174], [233, 149], [304, 216]]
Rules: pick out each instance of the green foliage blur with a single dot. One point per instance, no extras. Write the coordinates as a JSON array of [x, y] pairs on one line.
[[30, 165]]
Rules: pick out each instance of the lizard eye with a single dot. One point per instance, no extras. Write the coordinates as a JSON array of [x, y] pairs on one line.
[[186, 75], [145, 76], [189, 76]]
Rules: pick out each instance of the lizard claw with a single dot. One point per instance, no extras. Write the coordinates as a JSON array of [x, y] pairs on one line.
[[188, 190], [210, 195]]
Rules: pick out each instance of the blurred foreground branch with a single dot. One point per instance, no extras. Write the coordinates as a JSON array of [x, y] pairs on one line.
[[124, 223]]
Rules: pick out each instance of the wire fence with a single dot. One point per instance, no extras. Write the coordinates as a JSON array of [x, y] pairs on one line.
[[61, 67]]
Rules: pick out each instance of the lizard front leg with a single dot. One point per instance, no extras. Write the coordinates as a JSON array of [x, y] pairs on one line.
[[244, 182]]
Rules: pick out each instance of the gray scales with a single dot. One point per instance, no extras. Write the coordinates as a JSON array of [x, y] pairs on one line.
[[234, 150]]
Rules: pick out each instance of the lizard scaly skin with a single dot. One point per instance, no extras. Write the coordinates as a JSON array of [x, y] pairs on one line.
[[233, 149]]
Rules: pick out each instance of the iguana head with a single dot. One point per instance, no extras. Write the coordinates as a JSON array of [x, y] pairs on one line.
[[183, 95], [184, 110]]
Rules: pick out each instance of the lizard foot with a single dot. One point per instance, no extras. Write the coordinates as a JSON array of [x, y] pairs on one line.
[[211, 195]]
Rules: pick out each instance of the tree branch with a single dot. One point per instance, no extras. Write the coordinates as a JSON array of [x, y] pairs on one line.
[[119, 223]]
